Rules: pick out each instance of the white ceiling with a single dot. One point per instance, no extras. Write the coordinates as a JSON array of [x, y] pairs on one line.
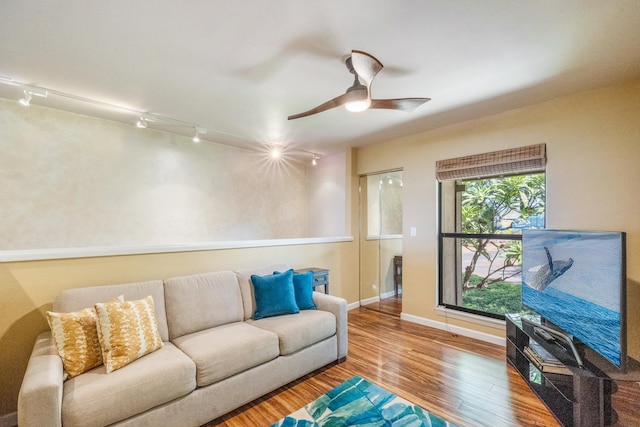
[[240, 67]]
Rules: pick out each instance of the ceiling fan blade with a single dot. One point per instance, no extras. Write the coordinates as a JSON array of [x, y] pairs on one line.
[[403, 104], [365, 65], [333, 103]]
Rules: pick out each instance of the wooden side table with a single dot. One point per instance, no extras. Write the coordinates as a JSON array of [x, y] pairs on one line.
[[320, 277]]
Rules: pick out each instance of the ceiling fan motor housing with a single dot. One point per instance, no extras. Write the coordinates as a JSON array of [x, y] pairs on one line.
[[357, 97]]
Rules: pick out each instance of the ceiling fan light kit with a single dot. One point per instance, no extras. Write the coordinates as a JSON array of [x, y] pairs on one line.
[[357, 106], [358, 96]]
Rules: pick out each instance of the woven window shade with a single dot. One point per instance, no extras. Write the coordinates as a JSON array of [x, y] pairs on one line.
[[505, 162]]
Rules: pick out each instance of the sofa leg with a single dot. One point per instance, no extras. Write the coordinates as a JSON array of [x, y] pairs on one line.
[[341, 360]]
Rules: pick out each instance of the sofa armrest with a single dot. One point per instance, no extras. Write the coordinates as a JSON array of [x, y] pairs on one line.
[[337, 306], [40, 398]]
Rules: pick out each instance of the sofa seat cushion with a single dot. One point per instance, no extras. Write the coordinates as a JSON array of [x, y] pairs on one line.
[[297, 331], [96, 398], [226, 350]]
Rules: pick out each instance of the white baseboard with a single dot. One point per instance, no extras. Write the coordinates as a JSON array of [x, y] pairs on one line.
[[447, 327], [369, 300], [455, 329], [9, 420], [388, 294], [378, 298], [353, 305]]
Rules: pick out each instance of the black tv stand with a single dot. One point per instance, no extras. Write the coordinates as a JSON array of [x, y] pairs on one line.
[[551, 335], [578, 397]]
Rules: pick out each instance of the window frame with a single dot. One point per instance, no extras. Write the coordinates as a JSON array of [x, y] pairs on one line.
[[458, 235]]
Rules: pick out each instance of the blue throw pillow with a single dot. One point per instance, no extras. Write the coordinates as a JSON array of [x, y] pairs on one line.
[[303, 289], [274, 295]]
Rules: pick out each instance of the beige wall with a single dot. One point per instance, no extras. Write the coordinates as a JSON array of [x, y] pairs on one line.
[[593, 173]]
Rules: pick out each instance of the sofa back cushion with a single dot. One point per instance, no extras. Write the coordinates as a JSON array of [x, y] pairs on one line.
[[202, 301], [71, 300], [246, 287]]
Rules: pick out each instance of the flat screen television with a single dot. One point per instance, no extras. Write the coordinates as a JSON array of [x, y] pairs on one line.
[[577, 281]]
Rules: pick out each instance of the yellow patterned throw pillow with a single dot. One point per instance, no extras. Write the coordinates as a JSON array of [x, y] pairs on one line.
[[127, 331], [76, 338]]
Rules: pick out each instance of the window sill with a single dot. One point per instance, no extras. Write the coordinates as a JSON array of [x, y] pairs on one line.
[[469, 317]]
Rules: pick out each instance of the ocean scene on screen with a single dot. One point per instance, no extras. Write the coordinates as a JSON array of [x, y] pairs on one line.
[[594, 325], [574, 280]]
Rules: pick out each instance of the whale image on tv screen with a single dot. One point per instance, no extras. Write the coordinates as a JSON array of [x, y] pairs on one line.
[[577, 281]]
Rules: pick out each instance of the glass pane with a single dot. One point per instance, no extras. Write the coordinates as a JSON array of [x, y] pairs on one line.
[[391, 203], [451, 291], [381, 214], [484, 274], [503, 205], [373, 205], [491, 275]]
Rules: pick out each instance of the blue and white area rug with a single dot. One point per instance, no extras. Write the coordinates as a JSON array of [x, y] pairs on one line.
[[358, 402]]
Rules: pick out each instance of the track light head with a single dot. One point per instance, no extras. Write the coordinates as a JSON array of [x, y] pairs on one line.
[[142, 123], [144, 118], [30, 91], [26, 101], [197, 132]]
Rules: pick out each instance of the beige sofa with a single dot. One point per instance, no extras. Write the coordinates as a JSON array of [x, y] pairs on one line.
[[215, 358]]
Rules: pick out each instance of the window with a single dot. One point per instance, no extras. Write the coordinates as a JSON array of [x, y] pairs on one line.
[[481, 218]]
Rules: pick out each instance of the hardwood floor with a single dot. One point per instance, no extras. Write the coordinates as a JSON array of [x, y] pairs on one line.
[[460, 379]]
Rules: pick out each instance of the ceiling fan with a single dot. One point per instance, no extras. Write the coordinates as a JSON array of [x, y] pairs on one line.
[[358, 96]]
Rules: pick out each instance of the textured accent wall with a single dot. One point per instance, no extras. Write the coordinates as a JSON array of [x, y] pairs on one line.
[[327, 197], [74, 181]]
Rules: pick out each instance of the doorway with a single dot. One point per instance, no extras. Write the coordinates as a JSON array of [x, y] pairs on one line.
[[381, 241]]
